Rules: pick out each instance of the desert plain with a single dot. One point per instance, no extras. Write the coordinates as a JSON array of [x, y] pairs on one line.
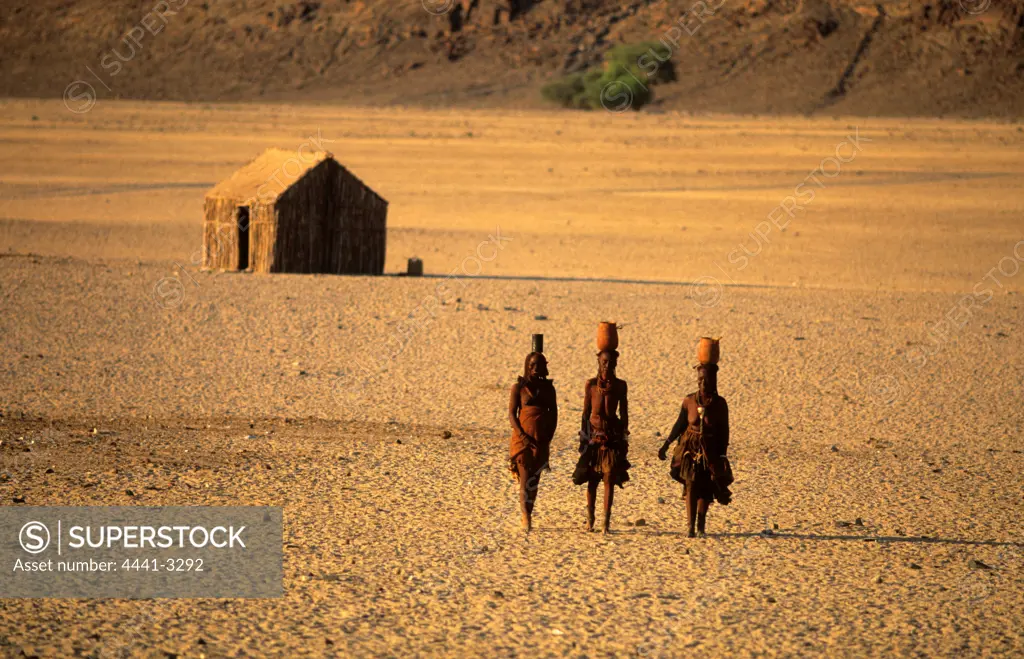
[[873, 360]]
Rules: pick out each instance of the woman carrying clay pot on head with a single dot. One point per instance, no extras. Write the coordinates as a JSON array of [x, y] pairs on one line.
[[533, 413], [699, 462], [605, 428]]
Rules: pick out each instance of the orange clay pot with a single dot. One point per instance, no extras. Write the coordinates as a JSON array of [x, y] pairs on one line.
[[707, 350], [607, 336]]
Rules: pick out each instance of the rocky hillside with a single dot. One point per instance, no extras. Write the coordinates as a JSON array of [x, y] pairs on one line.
[[907, 57]]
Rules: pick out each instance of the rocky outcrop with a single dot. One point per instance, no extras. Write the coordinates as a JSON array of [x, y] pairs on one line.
[[786, 56]]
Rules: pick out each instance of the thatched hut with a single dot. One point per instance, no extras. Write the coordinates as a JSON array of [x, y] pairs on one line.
[[290, 211]]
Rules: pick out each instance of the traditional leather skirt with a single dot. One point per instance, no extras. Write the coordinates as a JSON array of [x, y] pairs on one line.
[[708, 476], [534, 455], [600, 457]]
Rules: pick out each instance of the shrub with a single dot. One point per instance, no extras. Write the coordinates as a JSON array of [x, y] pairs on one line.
[[623, 81]]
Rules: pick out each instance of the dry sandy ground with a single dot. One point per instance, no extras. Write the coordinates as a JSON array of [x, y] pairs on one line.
[[870, 373]]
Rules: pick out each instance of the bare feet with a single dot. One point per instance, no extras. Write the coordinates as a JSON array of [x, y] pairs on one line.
[[527, 523]]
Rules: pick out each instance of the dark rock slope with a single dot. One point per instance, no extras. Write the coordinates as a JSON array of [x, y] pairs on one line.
[[950, 57]]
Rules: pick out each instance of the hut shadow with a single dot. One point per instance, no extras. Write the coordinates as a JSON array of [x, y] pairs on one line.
[[850, 538], [603, 280]]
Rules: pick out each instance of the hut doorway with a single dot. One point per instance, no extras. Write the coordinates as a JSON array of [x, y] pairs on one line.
[[242, 215]]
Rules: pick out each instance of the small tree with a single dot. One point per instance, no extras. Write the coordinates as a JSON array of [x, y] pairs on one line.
[[622, 82]]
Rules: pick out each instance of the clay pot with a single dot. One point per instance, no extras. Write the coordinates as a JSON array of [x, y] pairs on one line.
[[607, 337], [707, 350]]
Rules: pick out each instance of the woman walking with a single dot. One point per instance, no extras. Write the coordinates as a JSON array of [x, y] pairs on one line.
[[603, 443], [699, 462], [533, 414]]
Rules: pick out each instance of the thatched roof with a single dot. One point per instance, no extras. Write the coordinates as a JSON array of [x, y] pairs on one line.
[[269, 175]]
